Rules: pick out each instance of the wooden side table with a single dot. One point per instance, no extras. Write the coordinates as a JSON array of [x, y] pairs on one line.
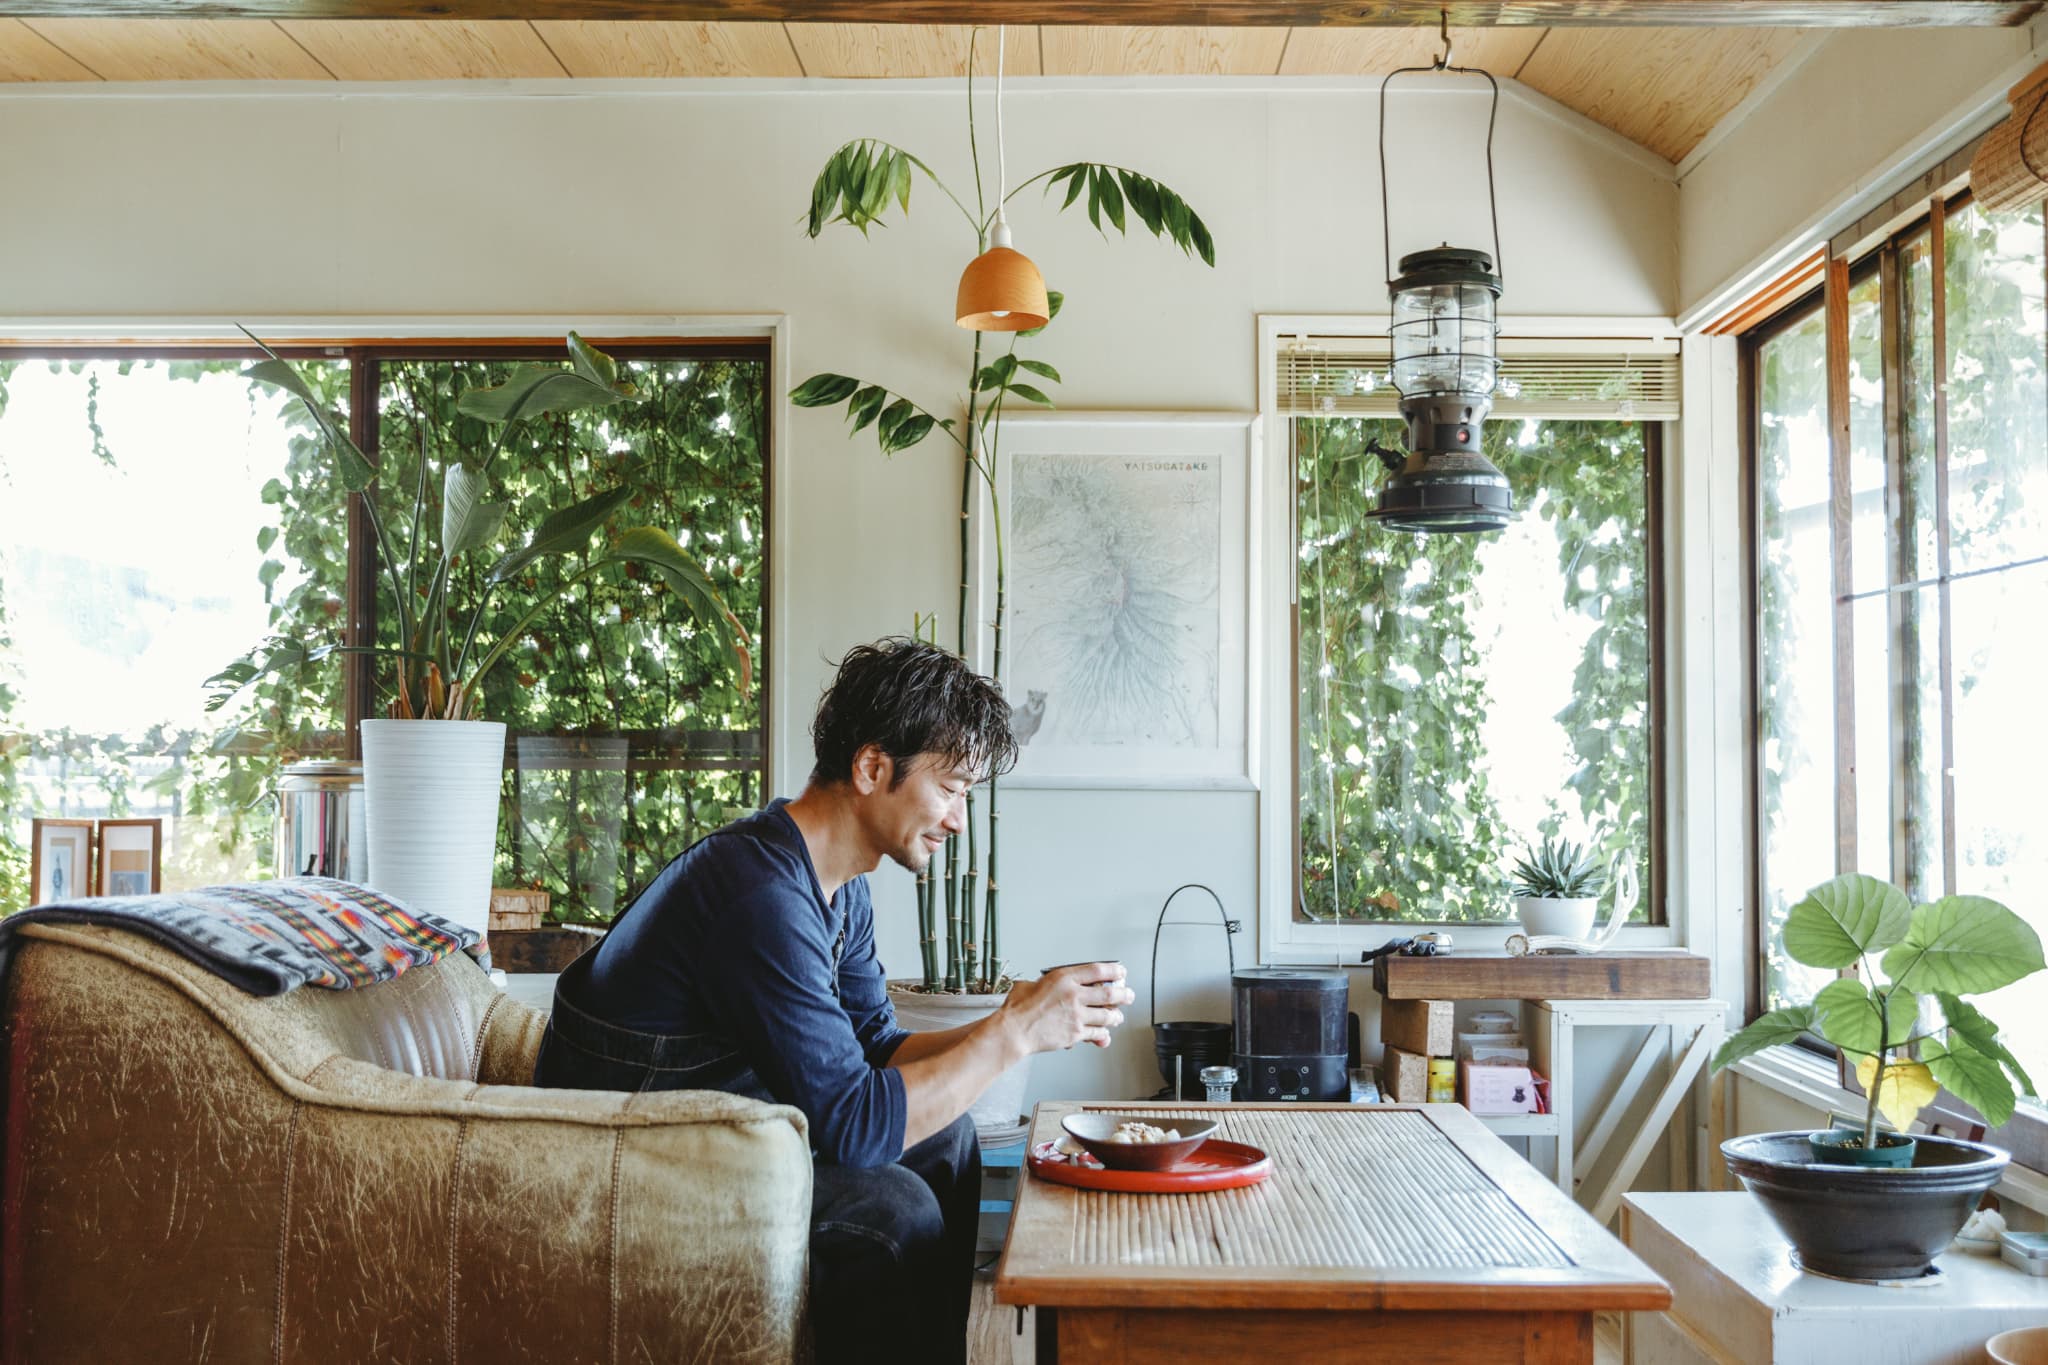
[[1410, 1228]]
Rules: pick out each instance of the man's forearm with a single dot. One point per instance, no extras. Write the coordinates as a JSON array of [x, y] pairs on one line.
[[916, 1047], [945, 1072]]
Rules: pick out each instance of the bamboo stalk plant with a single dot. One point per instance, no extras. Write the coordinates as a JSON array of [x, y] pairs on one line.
[[857, 186]]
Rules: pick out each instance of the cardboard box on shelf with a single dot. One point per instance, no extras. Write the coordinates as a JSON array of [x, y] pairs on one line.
[[1404, 1075], [1499, 1089], [1423, 1027]]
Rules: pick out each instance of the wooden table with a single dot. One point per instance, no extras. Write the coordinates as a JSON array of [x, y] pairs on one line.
[[1407, 1230]]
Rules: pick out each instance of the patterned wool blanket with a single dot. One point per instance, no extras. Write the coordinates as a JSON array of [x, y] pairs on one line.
[[270, 937]]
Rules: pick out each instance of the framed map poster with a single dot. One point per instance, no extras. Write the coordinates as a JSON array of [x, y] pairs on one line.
[[1128, 561]]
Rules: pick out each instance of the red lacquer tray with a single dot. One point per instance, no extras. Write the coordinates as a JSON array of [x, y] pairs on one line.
[[1215, 1165]]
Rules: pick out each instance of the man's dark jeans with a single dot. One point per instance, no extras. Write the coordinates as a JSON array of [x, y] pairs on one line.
[[892, 1247]]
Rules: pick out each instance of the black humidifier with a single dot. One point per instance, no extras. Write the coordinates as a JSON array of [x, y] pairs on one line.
[[1290, 1033]]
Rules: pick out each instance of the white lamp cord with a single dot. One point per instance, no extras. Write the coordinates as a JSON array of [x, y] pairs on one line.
[[1001, 234]]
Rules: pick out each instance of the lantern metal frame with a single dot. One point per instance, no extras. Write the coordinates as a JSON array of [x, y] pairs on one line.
[[1443, 482]]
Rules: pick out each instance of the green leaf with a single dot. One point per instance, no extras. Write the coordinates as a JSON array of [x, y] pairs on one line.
[[1053, 299], [1846, 1012], [1144, 200], [1094, 175], [594, 364], [265, 538], [1039, 367], [1968, 1024], [865, 406], [357, 473], [1029, 394], [560, 532], [892, 417], [822, 390], [1205, 246], [903, 181], [1074, 185], [1779, 1026], [1971, 1077], [467, 521], [1112, 199], [534, 390], [909, 432], [658, 549], [1842, 919], [1965, 945]]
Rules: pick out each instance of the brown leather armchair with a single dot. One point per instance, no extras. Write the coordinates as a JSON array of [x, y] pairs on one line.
[[191, 1173]]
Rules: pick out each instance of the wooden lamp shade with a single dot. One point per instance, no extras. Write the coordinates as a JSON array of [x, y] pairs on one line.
[[2010, 170], [1001, 291]]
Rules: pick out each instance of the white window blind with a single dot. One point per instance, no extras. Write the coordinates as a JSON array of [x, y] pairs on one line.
[[1634, 379]]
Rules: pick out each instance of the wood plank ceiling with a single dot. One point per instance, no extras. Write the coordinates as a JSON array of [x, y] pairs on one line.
[[1662, 88]]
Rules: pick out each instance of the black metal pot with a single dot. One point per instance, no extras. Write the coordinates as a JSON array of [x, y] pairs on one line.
[[1865, 1222], [1184, 1047]]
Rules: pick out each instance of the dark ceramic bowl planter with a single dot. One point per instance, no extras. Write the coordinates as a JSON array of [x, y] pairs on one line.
[[1865, 1222], [1844, 1147]]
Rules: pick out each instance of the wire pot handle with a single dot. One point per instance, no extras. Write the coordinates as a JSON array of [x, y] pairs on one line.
[[1230, 926]]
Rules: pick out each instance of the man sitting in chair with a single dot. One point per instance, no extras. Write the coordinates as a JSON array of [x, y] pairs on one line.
[[748, 965]]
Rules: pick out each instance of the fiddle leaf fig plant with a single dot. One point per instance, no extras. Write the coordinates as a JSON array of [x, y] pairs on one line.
[[436, 670], [858, 186], [1909, 1032]]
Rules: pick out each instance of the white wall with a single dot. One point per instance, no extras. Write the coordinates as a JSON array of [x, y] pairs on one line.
[[1865, 110], [219, 203]]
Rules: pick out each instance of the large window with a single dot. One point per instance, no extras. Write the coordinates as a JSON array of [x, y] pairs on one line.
[[1900, 592], [1459, 696], [180, 514]]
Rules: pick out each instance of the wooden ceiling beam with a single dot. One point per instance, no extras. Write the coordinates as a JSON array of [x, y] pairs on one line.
[[1164, 13]]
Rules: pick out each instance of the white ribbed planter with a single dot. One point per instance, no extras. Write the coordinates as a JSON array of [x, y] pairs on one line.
[[1003, 1102], [430, 797], [1559, 916]]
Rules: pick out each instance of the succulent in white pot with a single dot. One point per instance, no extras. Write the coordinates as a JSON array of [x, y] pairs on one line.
[[1556, 890]]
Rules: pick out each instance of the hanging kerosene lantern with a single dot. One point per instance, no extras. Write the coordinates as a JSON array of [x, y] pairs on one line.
[[1445, 324]]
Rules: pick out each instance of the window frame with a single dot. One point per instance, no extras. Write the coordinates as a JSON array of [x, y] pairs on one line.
[[1283, 939], [2026, 1133], [364, 344]]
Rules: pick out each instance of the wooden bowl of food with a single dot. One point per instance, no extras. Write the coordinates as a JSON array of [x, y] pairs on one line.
[[1137, 1142]]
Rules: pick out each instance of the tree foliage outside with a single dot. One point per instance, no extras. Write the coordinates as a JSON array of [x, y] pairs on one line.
[[613, 657], [1399, 800]]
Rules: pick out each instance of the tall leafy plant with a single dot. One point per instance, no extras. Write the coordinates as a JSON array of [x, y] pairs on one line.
[[1929, 955], [859, 183], [440, 662]]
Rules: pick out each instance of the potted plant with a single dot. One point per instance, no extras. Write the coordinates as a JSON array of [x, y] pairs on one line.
[[1861, 1202], [431, 768], [857, 185], [1556, 890]]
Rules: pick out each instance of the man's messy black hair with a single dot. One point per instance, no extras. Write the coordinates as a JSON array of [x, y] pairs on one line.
[[911, 698]]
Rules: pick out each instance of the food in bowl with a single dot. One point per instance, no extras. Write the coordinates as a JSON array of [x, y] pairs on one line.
[[1133, 1131]]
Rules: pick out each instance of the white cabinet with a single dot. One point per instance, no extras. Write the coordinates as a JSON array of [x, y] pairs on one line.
[[1738, 1300]]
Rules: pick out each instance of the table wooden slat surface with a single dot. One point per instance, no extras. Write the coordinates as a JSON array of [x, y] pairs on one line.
[[1370, 1207]]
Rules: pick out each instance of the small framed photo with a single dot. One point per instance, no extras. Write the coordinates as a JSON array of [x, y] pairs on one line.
[[60, 860], [131, 857]]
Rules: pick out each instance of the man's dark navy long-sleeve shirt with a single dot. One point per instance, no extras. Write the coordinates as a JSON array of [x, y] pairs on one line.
[[735, 948]]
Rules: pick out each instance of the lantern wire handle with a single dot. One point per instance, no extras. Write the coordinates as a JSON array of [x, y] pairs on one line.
[[1492, 116]]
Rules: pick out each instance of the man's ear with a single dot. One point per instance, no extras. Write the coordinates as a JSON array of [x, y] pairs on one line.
[[873, 769]]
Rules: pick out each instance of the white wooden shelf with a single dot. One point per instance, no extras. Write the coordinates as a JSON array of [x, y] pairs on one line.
[[1520, 1125]]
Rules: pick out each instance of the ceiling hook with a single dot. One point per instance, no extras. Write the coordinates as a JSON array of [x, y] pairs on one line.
[[1444, 32]]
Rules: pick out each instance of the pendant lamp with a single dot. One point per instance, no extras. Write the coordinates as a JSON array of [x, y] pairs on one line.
[[1445, 320], [1001, 290]]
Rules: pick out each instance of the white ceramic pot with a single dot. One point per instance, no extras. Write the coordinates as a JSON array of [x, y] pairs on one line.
[[430, 798], [1555, 916], [1002, 1104]]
